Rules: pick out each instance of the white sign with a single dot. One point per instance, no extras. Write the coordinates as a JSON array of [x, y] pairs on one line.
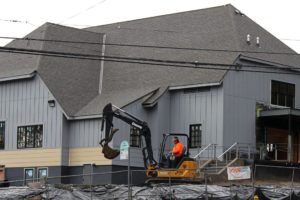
[[238, 173], [124, 150]]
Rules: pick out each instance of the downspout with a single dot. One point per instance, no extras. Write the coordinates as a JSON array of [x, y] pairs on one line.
[[102, 64]]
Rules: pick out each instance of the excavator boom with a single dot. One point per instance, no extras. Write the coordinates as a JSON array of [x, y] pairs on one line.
[[108, 115]]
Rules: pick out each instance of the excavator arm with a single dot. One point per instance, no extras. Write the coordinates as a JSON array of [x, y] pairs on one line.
[[108, 115]]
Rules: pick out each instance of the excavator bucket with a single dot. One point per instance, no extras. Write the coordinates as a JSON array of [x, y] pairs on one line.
[[109, 153]]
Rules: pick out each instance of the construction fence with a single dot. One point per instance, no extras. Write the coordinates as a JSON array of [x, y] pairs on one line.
[[266, 182]]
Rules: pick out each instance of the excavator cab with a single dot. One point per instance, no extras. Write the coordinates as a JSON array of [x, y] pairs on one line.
[[167, 145]]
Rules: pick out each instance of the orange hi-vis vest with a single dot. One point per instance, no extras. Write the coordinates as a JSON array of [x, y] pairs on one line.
[[178, 149]]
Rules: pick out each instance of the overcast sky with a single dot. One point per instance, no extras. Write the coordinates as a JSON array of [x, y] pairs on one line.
[[281, 18]]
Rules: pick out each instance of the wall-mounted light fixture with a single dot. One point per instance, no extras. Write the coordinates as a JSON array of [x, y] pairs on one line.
[[51, 103]]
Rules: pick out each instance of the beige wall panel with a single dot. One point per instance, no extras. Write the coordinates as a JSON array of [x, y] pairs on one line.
[[31, 158], [80, 156]]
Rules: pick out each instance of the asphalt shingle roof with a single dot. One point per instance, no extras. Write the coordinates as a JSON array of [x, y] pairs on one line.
[[75, 83]]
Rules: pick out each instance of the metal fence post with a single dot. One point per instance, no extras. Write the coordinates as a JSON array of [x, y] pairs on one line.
[[91, 180], [170, 192], [292, 184], [206, 194], [129, 189], [230, 189], [252, 177]]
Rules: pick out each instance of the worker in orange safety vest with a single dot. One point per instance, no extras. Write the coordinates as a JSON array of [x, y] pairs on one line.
[[176, 154]]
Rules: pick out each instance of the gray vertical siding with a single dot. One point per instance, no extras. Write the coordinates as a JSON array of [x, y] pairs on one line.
[[84, 133], [25, 102], [241, 92], [202, 107]]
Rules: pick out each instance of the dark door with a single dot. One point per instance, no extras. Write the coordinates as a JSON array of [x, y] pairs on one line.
[[277, 144]]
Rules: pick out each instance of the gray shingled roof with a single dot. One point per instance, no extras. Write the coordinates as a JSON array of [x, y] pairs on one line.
[[75, 83], [214, 28]]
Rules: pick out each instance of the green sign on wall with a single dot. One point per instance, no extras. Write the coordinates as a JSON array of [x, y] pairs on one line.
[[124, 150]]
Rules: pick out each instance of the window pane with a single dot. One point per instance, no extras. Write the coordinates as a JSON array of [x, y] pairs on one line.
[[21, 137], [195, 135], [274, 99], [30, 136], [281, 100], [283, 94], [135, 137], [42, 173], [290, 101], [38, 136], [28, 175]]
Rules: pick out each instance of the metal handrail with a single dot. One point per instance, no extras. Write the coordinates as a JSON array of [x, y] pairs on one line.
[[202, 150], [232, 146]]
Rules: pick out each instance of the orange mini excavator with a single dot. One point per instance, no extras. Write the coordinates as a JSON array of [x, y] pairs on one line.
[[186, 170]]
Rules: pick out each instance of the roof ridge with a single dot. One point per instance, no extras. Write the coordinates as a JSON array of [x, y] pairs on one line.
[[162, 15], [230, 13], [66, 27]]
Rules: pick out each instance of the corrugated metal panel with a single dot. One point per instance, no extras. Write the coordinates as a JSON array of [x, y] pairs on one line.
[[241, 92], [25, 102]]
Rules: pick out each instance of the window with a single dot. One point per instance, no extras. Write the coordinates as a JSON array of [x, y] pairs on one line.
[[2, 135], [135, 137], [30, 136], [283, 94], [28, 175], [42, 173], [195, 135]]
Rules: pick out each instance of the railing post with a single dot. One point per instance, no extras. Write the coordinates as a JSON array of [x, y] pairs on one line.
[[215, 151], [276, 152]]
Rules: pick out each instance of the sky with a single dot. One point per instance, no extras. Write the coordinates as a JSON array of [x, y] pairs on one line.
[[20, 17]]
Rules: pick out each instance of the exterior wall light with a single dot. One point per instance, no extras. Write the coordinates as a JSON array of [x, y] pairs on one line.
[[51, 103]]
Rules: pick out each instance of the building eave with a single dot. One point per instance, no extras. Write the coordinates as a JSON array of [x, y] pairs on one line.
[[18, 77], [195, 86], [269, 63], [280, 112]]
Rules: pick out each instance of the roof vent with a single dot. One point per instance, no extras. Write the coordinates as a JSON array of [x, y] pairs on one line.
[[238, 12], [257, 42], [248, 39]]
